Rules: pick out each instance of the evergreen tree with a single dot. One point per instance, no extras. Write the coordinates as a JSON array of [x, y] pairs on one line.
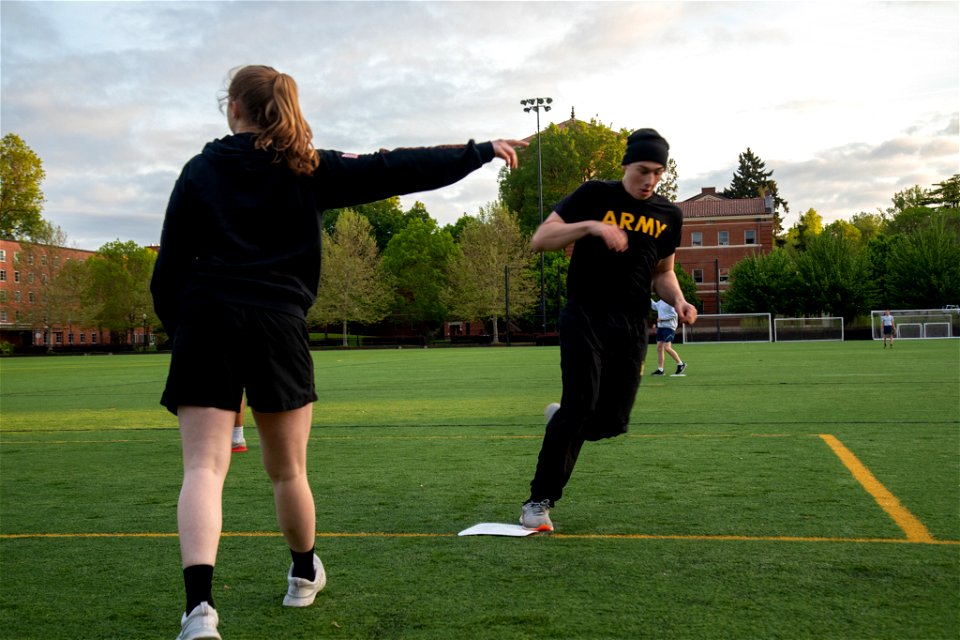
[[752, 180]]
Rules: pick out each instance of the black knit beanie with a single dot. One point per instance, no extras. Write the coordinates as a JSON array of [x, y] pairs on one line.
[[646, 145]]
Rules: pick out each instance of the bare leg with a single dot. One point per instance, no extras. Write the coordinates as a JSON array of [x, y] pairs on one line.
[[660, 346], [283, 445], [668, 347], [205, 437]]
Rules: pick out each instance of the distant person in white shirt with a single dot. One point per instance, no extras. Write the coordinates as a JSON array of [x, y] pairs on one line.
[[889, 328], [666, 330]]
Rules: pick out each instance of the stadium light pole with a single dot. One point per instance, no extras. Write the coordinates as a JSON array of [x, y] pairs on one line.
[[535, 105]]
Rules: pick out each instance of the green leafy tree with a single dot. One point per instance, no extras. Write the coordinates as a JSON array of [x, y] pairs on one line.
[[924, 266], [117, 288], [836, 277], [877, 251], [668, 183], [455, 229], [353, 286], [21, 199], [386, 219], [870, 225], [61, 296], [845, 229], [570, 155], [911, 198], [808, 226], [752, 180], [764, 283], [417, 259], [490, 244], [556, 265]]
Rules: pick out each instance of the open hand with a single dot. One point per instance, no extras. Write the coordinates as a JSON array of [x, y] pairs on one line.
[[506, 149]]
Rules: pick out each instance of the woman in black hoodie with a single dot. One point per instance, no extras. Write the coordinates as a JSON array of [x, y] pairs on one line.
[[238, 268]]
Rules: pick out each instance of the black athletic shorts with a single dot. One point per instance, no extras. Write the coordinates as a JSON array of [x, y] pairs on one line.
[[220, 351]]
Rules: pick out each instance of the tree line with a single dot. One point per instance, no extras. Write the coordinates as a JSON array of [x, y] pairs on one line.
[[382, 264]]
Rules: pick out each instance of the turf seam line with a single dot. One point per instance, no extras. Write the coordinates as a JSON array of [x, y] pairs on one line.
[[909, 523]]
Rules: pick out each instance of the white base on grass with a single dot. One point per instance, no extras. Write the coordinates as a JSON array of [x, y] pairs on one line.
[[496, 529]]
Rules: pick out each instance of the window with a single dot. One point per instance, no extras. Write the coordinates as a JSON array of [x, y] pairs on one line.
[[696, 239], [16, 296], [83, 338], [16, 314], [750, 236], [698, 276], [16, 276], [30, 278], [29, 258], [724, 275], [43, 259], [93, 338], [58, 337], [3, 255], [31, 297], [16, 257], [723, 238], [3, 275], [3, 315], [3, 296], [69, 338]]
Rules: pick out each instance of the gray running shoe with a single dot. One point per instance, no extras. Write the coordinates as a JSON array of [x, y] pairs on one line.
[[680, 368], [536, 516], [201, 624], [302, 592]]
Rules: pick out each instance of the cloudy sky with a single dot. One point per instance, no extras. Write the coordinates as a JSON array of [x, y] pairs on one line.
[[846, 102]]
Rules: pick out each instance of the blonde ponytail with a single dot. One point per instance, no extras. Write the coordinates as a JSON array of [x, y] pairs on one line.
[[269, 100]]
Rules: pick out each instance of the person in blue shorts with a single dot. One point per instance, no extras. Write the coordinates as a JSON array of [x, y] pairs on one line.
[[889, 328], [666, 332], [237, 270]]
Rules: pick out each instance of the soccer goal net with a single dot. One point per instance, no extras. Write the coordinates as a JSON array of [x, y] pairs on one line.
[[918, 324], [729, 327], [802, 329]]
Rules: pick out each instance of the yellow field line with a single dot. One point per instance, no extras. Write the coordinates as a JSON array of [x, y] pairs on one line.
[[911, 526], [562, 536]]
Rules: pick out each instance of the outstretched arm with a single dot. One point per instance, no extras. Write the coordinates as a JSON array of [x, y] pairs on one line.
[[349, 179]]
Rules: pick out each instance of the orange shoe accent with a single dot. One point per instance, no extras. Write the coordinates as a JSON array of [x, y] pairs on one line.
[[239, 448]]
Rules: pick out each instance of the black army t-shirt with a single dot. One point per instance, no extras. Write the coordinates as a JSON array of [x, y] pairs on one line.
[[603, 278]]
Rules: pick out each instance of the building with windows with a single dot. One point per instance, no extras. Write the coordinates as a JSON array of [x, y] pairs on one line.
[[29, 313], [719, 232]]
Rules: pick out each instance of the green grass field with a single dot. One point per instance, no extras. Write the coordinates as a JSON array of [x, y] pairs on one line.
[[728, 511]]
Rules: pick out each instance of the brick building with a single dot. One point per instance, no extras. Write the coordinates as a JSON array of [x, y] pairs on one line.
[[718, 232], [25, 271]]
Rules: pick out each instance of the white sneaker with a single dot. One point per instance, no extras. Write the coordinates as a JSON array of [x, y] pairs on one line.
[[536, 516], [201, 624], [300, 591], [550, 410]]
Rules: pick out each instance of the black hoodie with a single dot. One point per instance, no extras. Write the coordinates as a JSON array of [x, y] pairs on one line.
[[242, 228]]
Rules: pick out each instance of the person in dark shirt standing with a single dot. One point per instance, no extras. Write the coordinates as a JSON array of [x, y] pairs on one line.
[[624, 236], [237, 270]]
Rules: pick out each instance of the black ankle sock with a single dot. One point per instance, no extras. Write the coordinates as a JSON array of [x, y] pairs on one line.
[[198, 581], [303, 564]]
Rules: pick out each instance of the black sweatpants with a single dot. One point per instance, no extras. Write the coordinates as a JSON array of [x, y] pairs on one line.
[[601, 353]]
